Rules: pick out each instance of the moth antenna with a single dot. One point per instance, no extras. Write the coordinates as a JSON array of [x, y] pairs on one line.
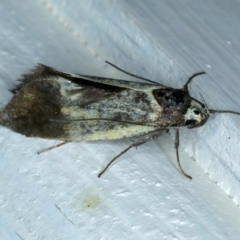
[[185, 87], [223, 111], [198, 102], [130, 74], [110, 120], [203, 105]]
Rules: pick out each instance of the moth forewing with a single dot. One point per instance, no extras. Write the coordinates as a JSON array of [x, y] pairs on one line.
[[59, 106], [79, 79]]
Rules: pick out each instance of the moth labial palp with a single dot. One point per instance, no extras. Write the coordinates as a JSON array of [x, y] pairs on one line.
[[53, 104]]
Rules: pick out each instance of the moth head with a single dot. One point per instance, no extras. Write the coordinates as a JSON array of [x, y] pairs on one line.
[[196, 115]]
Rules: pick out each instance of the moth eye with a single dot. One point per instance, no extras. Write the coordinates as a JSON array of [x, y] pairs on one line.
[[196, 112]]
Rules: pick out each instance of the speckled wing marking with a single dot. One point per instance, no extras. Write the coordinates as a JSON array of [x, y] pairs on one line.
[[61, 105]]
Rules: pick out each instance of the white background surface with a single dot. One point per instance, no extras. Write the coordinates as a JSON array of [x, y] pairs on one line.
[[57, 195]]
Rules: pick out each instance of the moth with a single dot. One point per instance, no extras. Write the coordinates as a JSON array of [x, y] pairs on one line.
[[52, 104]]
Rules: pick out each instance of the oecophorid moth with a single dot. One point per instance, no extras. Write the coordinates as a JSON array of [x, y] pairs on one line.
[[52, 104]]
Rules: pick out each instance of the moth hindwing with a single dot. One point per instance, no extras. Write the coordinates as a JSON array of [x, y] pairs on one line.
[[53, 104]]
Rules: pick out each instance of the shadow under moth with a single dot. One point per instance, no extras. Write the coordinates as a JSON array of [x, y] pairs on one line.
[[52, 104]]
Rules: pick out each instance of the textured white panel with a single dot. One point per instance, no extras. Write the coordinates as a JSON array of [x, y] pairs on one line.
[[57, 195]]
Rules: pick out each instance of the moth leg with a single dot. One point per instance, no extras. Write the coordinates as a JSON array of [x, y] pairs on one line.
[[176, 145], [50, 148], [135, 144]]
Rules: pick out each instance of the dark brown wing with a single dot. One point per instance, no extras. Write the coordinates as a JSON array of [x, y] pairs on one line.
[[94, 90], [52, 104]]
